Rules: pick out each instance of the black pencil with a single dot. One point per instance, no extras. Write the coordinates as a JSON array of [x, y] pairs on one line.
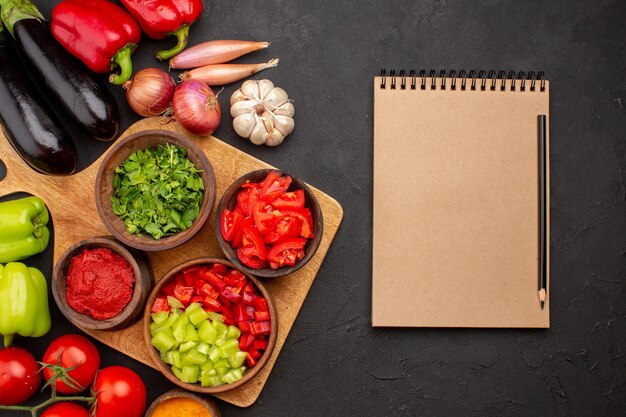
[[543, 244]]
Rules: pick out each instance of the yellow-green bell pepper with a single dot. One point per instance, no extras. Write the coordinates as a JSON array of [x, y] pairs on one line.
[[23, 230], [23, 302]]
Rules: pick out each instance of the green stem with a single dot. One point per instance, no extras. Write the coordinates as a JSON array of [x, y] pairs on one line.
[[8, 339], [12, 11], [122, 60], [35, 408], [182, 34]]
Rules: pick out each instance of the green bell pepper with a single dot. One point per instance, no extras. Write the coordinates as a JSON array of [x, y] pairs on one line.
[[23, 302], [23, 230]]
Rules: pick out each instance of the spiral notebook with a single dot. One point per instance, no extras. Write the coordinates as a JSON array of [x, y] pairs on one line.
[[459, 224]]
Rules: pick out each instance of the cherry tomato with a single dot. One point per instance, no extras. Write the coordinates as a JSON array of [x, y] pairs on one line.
[[19, 376], [65, 409], [72, 350], [121, 392]]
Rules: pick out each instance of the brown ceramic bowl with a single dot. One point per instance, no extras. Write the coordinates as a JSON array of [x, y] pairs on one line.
[[132, 312], [104, 188], [209, 405], [165, 369], [229, 201]]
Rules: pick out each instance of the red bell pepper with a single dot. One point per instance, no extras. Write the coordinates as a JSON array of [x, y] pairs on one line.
[[262, 315], [260, 344], [260, 327], [159, 18], [246, 341], [99, 33], [160, 304], [183, 294]]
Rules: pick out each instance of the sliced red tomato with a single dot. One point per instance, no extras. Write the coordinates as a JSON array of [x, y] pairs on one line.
[[286, 228], [286, 252], [265, 217], [253, 244], [292, 199], [274, 185], [243, 201], [230, 224], [304, 215], [251, 261]]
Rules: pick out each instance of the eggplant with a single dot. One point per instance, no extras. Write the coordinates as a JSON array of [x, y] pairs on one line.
[[64, 78], [33, 130]]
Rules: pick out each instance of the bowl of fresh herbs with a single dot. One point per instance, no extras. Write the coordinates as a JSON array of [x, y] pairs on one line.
[[155, 189]]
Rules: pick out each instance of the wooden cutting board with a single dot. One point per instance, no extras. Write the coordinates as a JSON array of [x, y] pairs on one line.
[[71, 203]]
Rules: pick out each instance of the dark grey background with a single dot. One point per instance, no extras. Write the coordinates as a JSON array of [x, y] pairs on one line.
[[333, 362]]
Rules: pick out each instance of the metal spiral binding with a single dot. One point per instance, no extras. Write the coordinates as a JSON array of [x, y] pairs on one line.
[[483, 80]]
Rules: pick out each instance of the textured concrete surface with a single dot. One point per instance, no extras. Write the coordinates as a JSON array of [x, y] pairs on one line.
[[334, 363]]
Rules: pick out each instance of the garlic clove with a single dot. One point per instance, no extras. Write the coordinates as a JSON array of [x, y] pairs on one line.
[[237, 96], [244, 124], [275, 98], [242, 107], [265, 86], [267, 121], [274, 138], [284, 124], [259, 133], [250, 89], [286, 109]]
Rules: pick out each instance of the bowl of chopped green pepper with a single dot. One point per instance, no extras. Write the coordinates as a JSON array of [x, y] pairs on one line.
[[155, 189]]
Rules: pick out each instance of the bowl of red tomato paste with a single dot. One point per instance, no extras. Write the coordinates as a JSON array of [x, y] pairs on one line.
[[208, 326], [100, 284], [269, 223]]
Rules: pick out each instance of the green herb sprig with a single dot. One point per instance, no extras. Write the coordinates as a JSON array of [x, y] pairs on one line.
[[157, 191]]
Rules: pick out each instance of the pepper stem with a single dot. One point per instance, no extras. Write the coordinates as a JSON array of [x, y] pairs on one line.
[[8, 339], [182, 33], [12, 11], [123, 61]]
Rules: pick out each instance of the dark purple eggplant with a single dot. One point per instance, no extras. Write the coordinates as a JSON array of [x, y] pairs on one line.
[[64, 78], [33, 130]]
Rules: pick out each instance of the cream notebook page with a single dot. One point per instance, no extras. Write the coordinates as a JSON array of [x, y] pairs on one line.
[[456, 207]]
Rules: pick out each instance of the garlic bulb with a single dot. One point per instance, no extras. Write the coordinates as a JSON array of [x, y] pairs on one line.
[[262, 112]]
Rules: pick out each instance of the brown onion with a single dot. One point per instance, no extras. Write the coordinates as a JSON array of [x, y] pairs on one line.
[[196, 107], [149, 92]]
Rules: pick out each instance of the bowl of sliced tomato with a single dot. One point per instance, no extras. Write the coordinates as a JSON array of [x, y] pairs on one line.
[[209, 327], [269, 223]]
